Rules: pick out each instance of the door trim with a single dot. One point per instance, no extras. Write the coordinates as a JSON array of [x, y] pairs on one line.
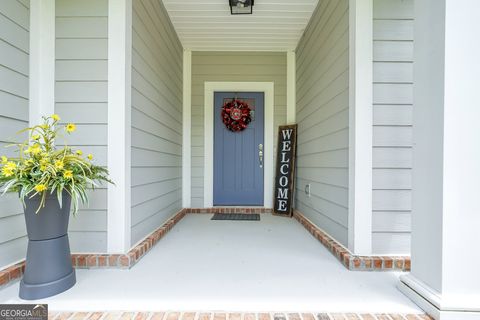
[[268, 89]]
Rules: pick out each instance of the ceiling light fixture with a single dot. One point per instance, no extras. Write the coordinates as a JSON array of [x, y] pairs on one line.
[[241, 6]]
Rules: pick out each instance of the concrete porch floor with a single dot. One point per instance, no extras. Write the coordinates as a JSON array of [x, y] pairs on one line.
[[271, 265]]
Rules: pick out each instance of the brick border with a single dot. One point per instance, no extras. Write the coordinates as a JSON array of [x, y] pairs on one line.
[[11, 274], [102, 261], [349, 260], [224, 315], [242, 210]]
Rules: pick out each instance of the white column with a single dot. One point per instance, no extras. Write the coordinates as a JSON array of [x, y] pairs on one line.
[[187, 130], [445, 278], [119, 124], [291, 87], [360, 127], [42, 60]]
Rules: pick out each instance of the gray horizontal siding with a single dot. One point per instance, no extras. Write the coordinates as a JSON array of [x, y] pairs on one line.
[[81, 97], [392, 120], [156, 119], [14, 72], [322, 116], [230, 66]]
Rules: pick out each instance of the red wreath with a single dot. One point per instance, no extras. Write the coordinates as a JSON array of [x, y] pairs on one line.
[[236, 115]]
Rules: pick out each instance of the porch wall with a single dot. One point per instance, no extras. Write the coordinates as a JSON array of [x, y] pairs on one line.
[[156, 118], [14, 73], [81, 97], [231, 66], [392, 120], [322, 116]]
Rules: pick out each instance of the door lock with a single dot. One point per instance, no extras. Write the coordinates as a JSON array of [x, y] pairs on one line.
[[260, 154]]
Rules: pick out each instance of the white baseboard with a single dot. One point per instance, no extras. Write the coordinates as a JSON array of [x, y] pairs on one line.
[[431, 301]]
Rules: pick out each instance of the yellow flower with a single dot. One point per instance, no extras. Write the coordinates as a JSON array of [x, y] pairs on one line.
[[9, 169], [55, 117], [44, 126], [43, 167], [40, 187], [36, 137], [7, 172], [68, 174], [58, 164], [79, 152], [34, 150], [11, 165], [90, 157], [70, 127], [4, 159]]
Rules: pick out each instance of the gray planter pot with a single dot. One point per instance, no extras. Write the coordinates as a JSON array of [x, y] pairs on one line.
[[48, 268]]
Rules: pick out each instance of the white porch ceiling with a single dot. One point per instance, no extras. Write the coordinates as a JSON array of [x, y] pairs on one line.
[[275, 25]]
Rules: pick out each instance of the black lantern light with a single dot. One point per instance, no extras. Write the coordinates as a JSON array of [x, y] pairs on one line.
[[241, 6]]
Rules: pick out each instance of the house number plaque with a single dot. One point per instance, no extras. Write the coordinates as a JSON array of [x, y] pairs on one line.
[[284, 178]]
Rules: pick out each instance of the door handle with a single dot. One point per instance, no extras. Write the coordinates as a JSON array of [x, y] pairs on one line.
[[260, 154]]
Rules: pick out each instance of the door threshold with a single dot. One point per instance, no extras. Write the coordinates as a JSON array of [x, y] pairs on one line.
[[230, 209]]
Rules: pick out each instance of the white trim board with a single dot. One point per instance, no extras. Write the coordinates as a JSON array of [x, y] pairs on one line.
[[187, 130], [42, 60], [360, 127], [268, 89], [291, 87], [119, 125]]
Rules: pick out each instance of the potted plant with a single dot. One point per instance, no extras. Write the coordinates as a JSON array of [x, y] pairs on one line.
[[48, 179]]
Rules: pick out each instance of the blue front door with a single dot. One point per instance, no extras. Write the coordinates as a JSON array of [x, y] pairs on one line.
[[238, 167]]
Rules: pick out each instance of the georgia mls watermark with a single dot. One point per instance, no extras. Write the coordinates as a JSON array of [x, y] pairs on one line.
[[23, 312]]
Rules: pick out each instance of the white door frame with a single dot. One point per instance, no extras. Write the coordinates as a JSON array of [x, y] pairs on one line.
[[268, 89]]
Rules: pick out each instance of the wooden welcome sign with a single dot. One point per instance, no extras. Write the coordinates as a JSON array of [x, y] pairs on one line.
[[285, 178]]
